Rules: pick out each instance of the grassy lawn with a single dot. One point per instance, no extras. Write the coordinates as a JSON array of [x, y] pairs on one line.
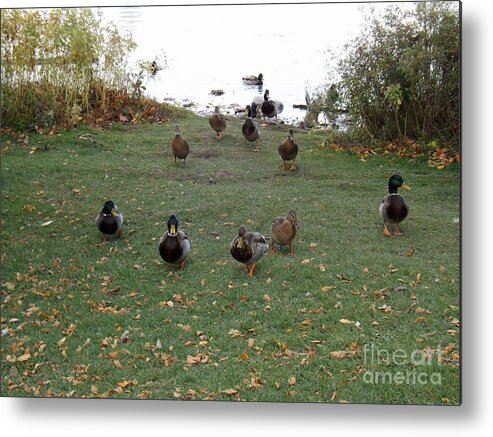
[[337, 322]]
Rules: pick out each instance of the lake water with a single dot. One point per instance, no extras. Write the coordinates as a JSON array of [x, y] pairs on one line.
[[213, 47]]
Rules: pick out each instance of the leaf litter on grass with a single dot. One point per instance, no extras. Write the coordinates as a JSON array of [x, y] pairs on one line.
[[86, 298]]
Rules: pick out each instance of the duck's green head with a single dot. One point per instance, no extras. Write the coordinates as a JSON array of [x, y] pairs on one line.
[[109, 208], [248, 111], [241, 234], [266, 95], [396, 182], [172, 225]]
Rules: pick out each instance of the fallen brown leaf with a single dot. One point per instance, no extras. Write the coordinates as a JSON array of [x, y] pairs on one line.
[[327, 288], [24, 357], [229, 391], [124, 383], [346, 322], [343, 278]]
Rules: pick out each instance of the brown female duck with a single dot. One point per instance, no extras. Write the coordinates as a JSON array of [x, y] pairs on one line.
[[217, 122], [283, 230], [250, 129], [179, 145], [288, 150]]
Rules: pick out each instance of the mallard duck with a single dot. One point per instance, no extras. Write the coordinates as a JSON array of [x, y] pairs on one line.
[[179, 145], [268, 107], [393, 208], [257, 105], [248, 248], [311, 116], [310, 119], [271, 108], [253, 80], [250, 129], [288, 150], [283, 230], [109, 220], [217, 122], [174, 245]]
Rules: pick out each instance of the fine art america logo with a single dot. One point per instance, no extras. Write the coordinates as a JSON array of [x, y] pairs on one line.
[[424, 363]]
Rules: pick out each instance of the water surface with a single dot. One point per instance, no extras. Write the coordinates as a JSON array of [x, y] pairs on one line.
[[213, 47]]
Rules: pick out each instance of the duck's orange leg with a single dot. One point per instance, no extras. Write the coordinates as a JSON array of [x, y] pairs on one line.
[[291, 248], [250, 273], [386, 231], [398, 230], [182, 264]]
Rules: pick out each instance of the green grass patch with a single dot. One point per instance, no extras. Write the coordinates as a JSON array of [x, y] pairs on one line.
[[82, 318]]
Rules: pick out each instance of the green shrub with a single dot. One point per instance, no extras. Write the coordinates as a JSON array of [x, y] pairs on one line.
[[400, 77]]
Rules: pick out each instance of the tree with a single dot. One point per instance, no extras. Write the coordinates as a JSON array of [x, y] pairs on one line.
[[400, 77]]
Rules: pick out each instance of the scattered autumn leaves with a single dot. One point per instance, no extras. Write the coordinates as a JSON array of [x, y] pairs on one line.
[[24, 360], [112, 348], [438, 157]]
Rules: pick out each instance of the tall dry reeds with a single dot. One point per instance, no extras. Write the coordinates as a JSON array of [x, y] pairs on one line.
[[60, 66]]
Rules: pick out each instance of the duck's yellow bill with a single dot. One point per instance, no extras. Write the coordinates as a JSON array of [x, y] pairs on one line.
[[406, 187], [113, 212], [172, 230]]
